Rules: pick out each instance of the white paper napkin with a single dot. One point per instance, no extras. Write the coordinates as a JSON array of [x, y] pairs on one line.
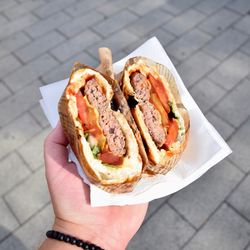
[[204, 150]]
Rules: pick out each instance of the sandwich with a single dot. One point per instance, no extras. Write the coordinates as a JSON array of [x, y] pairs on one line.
[[156, 106], [102, 138]]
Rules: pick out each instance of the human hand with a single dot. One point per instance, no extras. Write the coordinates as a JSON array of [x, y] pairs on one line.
[[110, 227]]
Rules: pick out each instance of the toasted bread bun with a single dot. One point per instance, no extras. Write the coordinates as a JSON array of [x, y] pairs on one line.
[[161, 160], [112, 178]]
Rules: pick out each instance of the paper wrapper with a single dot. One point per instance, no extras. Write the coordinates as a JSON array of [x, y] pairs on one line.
[[204, 150]]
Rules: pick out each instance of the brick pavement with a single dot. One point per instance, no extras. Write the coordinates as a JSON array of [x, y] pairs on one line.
[[208, 41]]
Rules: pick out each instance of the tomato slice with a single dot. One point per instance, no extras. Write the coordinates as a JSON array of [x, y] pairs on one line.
[[89, 119], [158, 87], [109, 158], [82, 110], [172, 133]]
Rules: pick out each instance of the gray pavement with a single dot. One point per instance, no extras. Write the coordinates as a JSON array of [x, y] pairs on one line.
[[209, 43]]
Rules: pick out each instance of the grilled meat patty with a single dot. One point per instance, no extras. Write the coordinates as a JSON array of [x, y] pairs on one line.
[[111, 128], [151, 116]]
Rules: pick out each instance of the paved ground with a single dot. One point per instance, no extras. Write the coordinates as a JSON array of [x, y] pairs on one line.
[[208, 41]]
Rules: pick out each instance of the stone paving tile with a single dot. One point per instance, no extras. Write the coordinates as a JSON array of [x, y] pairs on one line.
[[39, 116], [143, 7], [16, 133], [230, 72], [163, 36], [246, 48], [239, 143], [5, 4], [39, 46], [206, 94], [200, 199], [3, 20], [40, 223], [225, 230], [83, 7], [177, 6], [115, 22], [134, 45], [30, 72], [149, 22], [22, 239], [241, 6], [51, 8], [32, 151], [154, 206], [62, 71], [211, 6], [17, 25], [165, 230], [115, 42], [8, 64], [224, 129], [80, 23], [240, 198], [195, 67], [25, 201], [12, 243], [119, 55], [219, 21], [113, 6], [22, 8], [235, 108], [184, 22], [13, 172], [8, 221], [187, 44], [244, 25], [13, 42], [4, 92], [75, 45], [42, 27], [226, 43]]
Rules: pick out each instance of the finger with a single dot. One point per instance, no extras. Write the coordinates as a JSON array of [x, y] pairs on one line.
[[55, 149]]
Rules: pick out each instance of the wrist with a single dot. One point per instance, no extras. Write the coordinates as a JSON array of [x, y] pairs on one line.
[[93, 235]]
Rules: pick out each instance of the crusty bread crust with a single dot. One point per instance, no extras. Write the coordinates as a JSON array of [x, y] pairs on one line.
[[75, 137], [171, 157]]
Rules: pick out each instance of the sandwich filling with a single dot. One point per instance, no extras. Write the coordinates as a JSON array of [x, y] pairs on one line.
[[103, 131], [101, 128], [155, 106]]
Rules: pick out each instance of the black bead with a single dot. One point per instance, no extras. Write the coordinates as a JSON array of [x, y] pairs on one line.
[[67, 238], [92, 247], [86, 247], [55, 234], [49, 234], [61, 237], [79, 243], [73, 241]]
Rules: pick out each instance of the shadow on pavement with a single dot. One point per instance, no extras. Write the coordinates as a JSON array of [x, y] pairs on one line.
[[11, 242]]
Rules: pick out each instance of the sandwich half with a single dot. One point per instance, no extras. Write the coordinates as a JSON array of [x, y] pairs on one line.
[[155, 103], [98, 132]]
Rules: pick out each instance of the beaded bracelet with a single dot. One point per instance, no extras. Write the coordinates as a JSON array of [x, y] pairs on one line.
[[52, 234]]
